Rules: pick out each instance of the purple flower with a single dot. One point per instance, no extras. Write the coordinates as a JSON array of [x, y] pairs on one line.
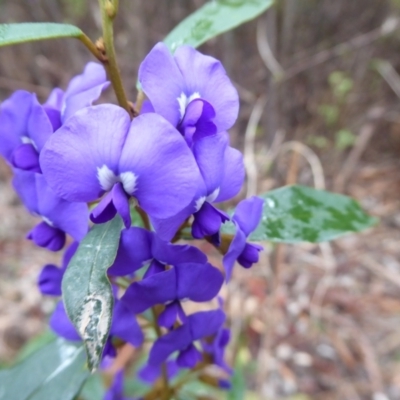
[[196, 282], [247, 216], [50, 277], [138, 247], [100, 151], [197, 326], [222, 172], [116, 390], [59, 216], [24, 129], [190, 90], [25, 124], [124, 326], [81, 92]]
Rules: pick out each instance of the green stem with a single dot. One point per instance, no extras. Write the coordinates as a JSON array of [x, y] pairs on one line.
[[91, 47], [108, 11]]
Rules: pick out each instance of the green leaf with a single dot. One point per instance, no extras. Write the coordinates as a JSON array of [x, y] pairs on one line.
[[35, 343], [303, 214], [87, 292], [214, 18], [56, 371], [31, 31]]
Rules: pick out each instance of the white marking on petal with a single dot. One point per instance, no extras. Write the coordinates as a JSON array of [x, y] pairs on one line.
[[28, 140], [128, 180], [106, 177], [183, 101], [199, 203], [48, 222], [211, 197]]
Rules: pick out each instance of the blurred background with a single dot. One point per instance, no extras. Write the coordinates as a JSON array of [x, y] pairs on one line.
[[319, 92]]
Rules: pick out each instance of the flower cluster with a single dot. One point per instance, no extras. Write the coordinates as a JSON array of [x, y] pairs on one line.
[[174, 162]]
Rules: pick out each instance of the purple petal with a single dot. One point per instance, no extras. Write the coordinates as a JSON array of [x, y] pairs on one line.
[[155, 267], [163, 165], [125, 326], [176, 340], [205, 323], [55, 99], [72, 218], [39, 125], [61, 325], [207, 221], [14, 115], [88, 146], [248, 214], [206, 75], [26, 157], [156, 289], [24, 183], [233, 175], [133, 252], [235, 250], [84, 89], [69, 253], [189, 357], [249, 255], [104, 211], [209, 153], [150, 373], [176, 254], [116, 390], [49, 280], [168, 317], [162, 83], [198, 282], [46, 236]]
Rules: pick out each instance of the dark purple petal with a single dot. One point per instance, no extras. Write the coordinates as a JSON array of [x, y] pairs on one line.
[[209, 153], [84, 89], [205, 323], [26, 157], [189, 357], [147, 107], [116, 390], [249, 255], [162, 164], [49, 280], [207, 221], [116, 201], [150, 373], [156, 289], [235, 250], [61, 325], [155, 267], [224, 384], [125, 326], [87, 146], [198, 282], [176, 340], [69, 253], [170, 254], [47, 236], [168, 317], [233, 175], [104, 211], [14, 115], [248, 214], [133, 252], [206, 76], [162, 83]]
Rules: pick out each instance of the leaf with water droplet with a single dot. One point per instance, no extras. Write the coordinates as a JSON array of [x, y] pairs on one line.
[[214, 18], [87, 292], [302, 214], [32, 31]]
